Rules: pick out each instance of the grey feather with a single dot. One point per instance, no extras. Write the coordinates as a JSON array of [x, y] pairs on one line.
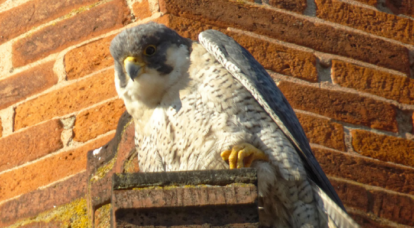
[[257, 81]]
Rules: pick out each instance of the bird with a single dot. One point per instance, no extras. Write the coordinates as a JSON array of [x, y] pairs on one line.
[[208, 104]]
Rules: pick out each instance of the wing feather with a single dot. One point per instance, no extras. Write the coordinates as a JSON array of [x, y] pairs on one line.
[[241, 64]]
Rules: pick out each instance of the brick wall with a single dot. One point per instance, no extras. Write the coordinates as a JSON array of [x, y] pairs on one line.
[[345, 66]]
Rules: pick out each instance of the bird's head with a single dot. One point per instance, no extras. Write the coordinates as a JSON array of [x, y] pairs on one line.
[[149, 58]]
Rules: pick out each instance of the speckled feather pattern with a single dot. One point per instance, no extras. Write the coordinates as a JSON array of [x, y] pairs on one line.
[[218, 112], [218, 96]]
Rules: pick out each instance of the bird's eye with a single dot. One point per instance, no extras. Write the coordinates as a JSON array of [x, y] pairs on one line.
[[150, 50]]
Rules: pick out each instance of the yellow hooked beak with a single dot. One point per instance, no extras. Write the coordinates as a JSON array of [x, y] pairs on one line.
[[134, 67]]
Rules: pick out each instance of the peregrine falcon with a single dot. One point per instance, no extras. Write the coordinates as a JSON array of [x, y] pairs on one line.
[[211, 105]]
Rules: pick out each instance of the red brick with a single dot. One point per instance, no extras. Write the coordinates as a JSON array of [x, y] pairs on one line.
[[125, 147], [98, 120], [383, 147], [395, 207], [368, 20], [367, 221], [41, 200], [347, 107], [18, 87], [51, 224], [297, 6], [401, 6], [366, 171], [369, 2], [103, 216], [272, 56], [322, 131], [46, 171], [184, 196], [98, 20], [351, 195], [287, 27], [279, 58], [34, 13], [141, 10], [30, 144], [68, 99], [95, 56], [1, 129], [373, 81]]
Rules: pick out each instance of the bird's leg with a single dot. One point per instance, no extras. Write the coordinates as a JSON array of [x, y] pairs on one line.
[[242, 155]]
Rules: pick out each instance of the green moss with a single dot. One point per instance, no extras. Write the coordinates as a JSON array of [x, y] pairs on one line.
[[73, 215]]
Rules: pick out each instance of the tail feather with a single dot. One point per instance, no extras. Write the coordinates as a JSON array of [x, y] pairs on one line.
[[337, 217]]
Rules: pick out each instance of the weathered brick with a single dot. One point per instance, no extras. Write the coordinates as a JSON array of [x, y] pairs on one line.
[[96, 21], [18, 87], [366, 171], [46, 171], [141, 10], [367, 221], [347, 107], [51, 224], [30, 144], [95, 56], [351, 195], [125, 147], [103, 216], [41, 200], [322, 131], [272, 56], [34, 13], [98, 120], [279, 58], [1, 129], [368, 20], [369, 2], [373, 81], [383, 147], [395, 207], [287, 27], [401, 6], [68, 99], [296, 6]]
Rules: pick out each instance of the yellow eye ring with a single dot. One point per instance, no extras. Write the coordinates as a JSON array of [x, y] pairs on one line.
[[150, 50]]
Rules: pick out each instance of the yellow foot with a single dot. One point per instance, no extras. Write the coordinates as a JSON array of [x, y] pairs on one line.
[[242, 155]]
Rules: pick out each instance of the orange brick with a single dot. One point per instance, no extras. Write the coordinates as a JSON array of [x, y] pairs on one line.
[[401, 6], [384, 148], [99, 120], [388, 205], [18, 87], [347, 107], [94, 56], [368, 20], [367, 221], [30, 144], [66, 100], [279, 58], [297, 6], [275, 57], [141, 10], [1, 129], [366, 171], [289, 28], [46, 171], [369, 2], [34, 13], [322, 131], [373, 81], [40, 200], [98, 20]]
